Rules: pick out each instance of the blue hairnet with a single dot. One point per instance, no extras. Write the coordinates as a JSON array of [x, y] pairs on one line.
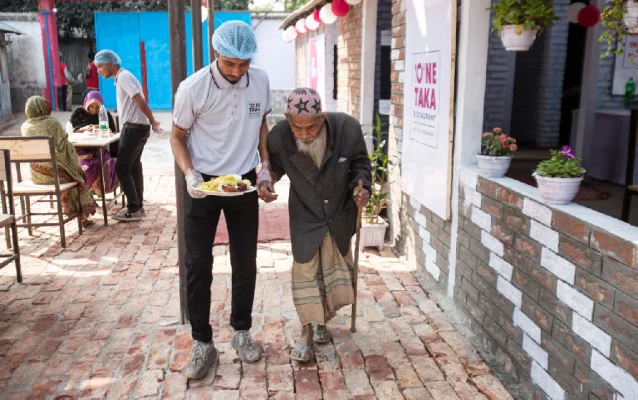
[[106, 57], [235, 39]]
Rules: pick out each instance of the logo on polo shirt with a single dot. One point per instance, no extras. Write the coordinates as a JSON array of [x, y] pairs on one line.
[[254, 109]]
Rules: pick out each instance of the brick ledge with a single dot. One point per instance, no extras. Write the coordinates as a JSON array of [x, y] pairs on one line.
[[612, 225]]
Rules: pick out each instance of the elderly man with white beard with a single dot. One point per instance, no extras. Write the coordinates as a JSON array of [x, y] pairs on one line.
[[324, 156]]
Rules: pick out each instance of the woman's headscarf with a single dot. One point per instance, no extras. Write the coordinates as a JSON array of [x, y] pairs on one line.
[[37, 106], [93, 97]]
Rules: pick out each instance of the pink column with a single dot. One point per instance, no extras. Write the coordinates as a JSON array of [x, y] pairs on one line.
[[50, 49]]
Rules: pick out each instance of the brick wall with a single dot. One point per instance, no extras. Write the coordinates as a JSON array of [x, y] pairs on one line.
[[555, 293], [349, 48]]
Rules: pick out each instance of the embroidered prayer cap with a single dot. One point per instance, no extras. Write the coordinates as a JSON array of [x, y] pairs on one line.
[[304, 102]]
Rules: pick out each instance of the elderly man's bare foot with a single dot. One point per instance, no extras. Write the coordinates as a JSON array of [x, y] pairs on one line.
[[303, 345]]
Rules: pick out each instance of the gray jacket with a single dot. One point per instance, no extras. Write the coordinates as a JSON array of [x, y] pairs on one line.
[[321, 199]]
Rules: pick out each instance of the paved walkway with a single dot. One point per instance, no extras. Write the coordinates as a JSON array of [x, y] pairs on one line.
[[101, 320]]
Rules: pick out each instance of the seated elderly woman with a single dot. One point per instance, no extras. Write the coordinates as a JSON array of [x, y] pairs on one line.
[[82, 119], [41, 123]]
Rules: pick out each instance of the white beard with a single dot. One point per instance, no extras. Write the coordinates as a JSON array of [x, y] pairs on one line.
[[314, 149]]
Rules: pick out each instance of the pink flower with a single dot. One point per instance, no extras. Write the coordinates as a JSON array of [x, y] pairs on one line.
[[567, 152], [513, 147], [498, 130], [486, 134]]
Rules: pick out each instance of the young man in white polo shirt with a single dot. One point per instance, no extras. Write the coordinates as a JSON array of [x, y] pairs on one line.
[[219, 128], [136, 119]]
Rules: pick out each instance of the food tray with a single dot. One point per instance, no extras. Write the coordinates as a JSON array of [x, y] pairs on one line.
[[228, 194]]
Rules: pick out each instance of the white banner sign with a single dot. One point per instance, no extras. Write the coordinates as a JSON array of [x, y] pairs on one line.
[[429, 82], [317, 65]]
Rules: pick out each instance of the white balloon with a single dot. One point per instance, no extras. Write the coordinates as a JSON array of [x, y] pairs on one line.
[[285, 37], [353, 2], [326, 14], [573, 11], [292, 32], [311, 23], [301, 26]]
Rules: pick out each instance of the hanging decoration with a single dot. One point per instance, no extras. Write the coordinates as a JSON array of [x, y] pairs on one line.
[[589, 16], [340, 8], [573, 11], [286, 37], [301, 26], [311, 24], [291, 32], [316, 16], [353, 2], [326, 14]]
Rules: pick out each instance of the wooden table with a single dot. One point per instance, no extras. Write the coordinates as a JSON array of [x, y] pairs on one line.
[[81, 140]]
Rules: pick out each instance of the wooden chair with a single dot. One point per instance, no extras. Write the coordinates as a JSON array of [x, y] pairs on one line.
[[7, 218], [39, 149]]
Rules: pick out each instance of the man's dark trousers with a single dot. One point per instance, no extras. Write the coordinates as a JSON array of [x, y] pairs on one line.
[[129, 163], [200, 226]]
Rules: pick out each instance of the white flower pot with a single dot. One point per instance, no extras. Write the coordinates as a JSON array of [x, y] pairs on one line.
[[631, 23], [558, 190], [493, 167], [515, 42], [632, 9], [373, 235]]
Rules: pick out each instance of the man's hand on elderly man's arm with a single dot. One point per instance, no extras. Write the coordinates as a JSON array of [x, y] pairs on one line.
[[265, 187]]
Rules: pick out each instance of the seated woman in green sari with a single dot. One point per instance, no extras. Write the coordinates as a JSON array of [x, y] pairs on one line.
[[41, 123]]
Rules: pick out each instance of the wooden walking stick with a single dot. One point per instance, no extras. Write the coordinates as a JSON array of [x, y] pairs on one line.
[[353, 321]]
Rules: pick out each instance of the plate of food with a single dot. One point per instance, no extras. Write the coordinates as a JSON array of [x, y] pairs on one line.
[[227, 185]]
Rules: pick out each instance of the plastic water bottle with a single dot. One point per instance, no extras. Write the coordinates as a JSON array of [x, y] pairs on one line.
[[104, 122], [630, 89]]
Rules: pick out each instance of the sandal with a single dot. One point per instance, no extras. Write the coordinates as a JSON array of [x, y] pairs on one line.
[[321, 336], [87, 222], [304, 353]]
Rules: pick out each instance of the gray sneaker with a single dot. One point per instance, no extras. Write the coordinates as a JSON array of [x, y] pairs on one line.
[[125, 216], [203, 356], [245, 346]]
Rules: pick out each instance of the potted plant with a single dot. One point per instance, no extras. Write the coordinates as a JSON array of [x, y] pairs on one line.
[[559, 177], [496, 153], [373, 227], [619, 19], [519, 21]]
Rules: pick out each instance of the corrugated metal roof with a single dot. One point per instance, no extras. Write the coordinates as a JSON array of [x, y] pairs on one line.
[[8, 28]]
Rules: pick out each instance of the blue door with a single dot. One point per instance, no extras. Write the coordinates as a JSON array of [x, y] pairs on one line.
[[124, 33], [118, 32]]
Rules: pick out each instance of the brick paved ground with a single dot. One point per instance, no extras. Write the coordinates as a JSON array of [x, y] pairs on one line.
[[101, 320]]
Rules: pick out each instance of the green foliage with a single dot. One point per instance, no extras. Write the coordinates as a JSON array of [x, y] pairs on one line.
[[380, 168], [560, 166], [525, 14], [497, 144], [615, 31]]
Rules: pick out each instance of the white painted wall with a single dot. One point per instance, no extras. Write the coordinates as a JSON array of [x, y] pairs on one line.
[[27, 72], [274, 55]]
